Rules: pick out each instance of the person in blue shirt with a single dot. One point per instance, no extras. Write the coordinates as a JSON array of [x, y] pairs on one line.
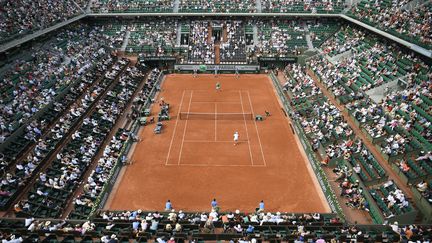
[[168, 205], [261, 206], [154, 225], [214, 203], [250, 229], [135, 225], [133, 215]]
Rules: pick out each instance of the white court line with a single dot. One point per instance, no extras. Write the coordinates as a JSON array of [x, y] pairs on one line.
[[184, 131], [228, 102], [256, 127], [245, 124], [175, 128], [216, 165], [215, 121], [212, 141]]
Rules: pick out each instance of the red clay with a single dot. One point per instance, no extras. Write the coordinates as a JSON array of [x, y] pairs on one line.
[[193, 161]]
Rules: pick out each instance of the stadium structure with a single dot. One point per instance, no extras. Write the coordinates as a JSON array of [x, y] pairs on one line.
[[223, 121]]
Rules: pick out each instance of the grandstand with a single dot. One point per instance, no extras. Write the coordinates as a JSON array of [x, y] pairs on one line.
[[117, 121]]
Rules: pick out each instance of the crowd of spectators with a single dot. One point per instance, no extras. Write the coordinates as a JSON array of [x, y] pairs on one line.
[[174, 225], [322, 31], [71, 162], [400, 120], [234, 6], [322, 122], [392, 16], [24, 170], [53, 77], [345, 40], [350, 188], [112, 155], [398, 123], [153, 38], [22, 17], [292, 6], [107, 6], [320, 119], [425, 189], [371, 64], [83, 3], [390, 199], [280, 38], [201, 44], [31, 84], [234, 48]]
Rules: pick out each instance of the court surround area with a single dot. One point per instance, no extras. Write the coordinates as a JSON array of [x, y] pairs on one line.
[[194, 159]]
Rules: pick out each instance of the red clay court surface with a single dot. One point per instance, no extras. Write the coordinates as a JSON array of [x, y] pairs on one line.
[[194, 160]]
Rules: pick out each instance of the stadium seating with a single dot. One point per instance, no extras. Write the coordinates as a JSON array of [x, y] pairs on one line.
[[329, 135], [154, 38], [201, 44], [399, 124], [113, 157], [79, 101], [344, 40], [320, 32], [392, 16], [135, 6], [233, 50], [62, 95], [115, 30], [18, 17], [390, 200], [82, 3], [58, 182], [285, 6], [280, 38], [224, 6], [145, 226], [41, 103], [373, 64]]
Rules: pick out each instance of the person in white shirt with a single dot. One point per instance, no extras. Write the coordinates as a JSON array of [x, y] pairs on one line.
[[236, 137]]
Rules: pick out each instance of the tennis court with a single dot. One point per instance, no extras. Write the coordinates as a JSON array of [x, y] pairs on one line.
[[194, 159], [206, 124]]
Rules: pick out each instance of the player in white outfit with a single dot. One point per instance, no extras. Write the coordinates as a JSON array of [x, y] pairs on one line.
[[236, 137]]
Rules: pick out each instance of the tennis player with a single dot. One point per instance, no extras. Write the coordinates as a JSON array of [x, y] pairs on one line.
[[218, 86], [236, 137]]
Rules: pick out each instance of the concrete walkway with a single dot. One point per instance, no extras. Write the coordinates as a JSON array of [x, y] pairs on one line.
[[258, 6], [178, 41], [255, 35], [176, 6], [125, 41]]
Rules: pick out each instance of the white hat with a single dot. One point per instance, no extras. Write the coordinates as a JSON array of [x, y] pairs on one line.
[[237, 211]]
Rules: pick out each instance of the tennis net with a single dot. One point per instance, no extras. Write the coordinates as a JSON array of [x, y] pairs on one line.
[[215, 116]]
